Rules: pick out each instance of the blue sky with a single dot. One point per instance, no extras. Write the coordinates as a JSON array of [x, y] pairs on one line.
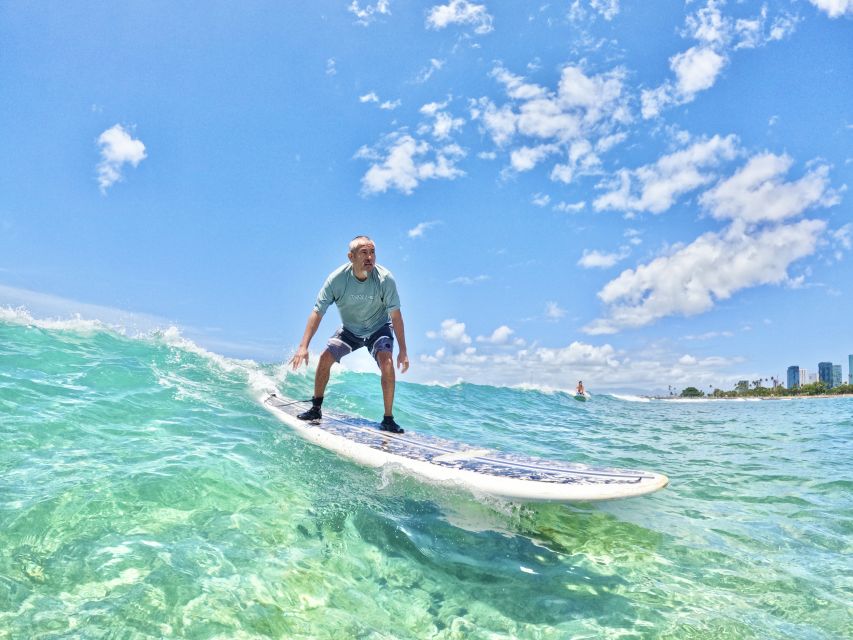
[[639, 195]]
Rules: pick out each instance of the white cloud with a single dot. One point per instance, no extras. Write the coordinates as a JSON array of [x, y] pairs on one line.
[[577, 120], [118, 148], [698, 68], [581, 106], [404, 164], [581, 161], [754, 32], [500, 123], [570, 207], [373, 97], [653, 101], [501, 335], [503, 359], [541, 199], [607, 8], [599, 260], [694, 277], [842, 240], [633, 236], [606, 143], [331, 69], [710, 335], [553, 311], [781, 28], [655, 187], [526, 158], [834, 8], [757, 192], [434, 65], [453, 333], [432, 108], [419, 230], [844, 236], [445, 124], [577, 353], [468, 280], [460, 12], [708, 25], [516, 87], [370, 12]]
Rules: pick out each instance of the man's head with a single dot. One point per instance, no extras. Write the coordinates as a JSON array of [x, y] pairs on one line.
[[362, 254]]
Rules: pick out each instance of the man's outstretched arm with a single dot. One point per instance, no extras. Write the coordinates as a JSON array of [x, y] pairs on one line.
[[311, 327], [400, 333]]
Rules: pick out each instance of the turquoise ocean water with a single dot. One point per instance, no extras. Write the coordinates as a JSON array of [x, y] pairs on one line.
[[146, 493]]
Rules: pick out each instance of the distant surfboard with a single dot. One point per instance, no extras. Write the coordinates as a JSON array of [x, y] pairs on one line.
[[479, 469], [581, 396]]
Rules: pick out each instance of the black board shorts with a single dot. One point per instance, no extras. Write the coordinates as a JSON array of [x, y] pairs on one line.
[[344, 342]]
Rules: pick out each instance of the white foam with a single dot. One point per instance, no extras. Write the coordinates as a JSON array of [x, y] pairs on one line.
[[540, 388], [629, 398], [75, 323], [701, 400], [443, 384], [259, 382]]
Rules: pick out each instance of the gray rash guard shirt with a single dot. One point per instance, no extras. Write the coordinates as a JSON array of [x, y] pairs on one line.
[[364, 306]]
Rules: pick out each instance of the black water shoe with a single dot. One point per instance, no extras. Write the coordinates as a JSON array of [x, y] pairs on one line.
[[388, 424], [313, 413]]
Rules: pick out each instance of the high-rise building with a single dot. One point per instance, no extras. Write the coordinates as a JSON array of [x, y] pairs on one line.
[[850, 369], [836, 375], [804, 376], [793, 376], [824, 373]]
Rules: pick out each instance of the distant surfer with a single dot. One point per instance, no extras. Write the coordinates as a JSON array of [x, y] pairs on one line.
[[367, 299], [580, 390]]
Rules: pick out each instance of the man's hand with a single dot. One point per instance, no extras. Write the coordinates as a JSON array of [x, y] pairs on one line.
[[299, 357], [402, 362]]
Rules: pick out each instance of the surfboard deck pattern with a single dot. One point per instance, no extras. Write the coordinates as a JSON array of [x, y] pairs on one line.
[[479, 469]]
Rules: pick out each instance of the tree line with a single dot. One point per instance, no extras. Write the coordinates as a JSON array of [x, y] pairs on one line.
[[755, 389]]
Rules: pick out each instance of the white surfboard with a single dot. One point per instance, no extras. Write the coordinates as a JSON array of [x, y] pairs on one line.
[[479, 469]]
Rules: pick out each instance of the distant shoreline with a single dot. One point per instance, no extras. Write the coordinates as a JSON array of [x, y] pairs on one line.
[[806, 397]]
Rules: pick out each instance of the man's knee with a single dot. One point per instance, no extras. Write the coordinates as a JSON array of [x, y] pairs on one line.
[[385, 361]]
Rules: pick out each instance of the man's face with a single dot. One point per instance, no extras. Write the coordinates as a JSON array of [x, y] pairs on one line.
[[363, 258]]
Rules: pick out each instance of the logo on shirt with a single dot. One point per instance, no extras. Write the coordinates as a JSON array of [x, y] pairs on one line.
[[361, 297]]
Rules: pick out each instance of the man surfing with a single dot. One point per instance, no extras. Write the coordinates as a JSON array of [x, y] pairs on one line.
[[366, 296]]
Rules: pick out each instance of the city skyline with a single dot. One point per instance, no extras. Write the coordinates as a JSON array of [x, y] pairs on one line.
[[828, 372]]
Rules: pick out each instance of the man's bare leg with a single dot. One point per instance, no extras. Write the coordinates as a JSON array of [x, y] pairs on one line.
[[386, 367], [321, 379], [385, 361], [324, 368]]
